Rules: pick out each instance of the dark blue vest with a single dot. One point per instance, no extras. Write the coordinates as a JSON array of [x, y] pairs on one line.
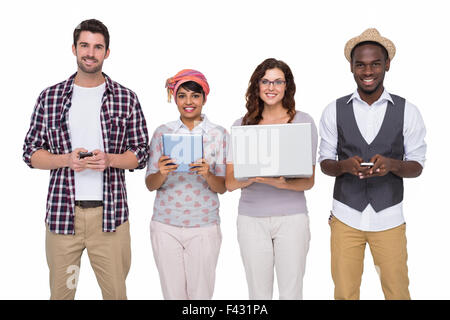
[[380, 192]]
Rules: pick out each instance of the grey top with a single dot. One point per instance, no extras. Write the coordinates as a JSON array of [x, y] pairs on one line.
[[262, 200], [381, 192]]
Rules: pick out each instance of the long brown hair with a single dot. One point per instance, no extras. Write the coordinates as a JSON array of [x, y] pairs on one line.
[[255, 105]]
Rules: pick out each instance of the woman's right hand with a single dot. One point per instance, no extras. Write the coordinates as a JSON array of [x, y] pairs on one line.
[[166, 165]]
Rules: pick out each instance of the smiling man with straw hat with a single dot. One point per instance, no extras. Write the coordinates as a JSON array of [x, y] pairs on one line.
[[370, 141]]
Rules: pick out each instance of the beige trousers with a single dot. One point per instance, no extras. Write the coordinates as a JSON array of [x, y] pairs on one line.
[[109, 255], [281, 242], [347, 260]]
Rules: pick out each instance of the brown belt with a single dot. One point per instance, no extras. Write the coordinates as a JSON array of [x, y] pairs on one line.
[[88, 203]]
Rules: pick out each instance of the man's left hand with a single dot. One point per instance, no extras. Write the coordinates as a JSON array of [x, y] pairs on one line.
[[381, 167], [99, 161]]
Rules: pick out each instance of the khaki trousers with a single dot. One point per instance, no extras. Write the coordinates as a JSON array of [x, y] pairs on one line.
[[109, 255], [389, 253]]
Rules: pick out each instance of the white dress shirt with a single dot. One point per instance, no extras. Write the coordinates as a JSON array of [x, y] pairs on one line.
[[369, 119]]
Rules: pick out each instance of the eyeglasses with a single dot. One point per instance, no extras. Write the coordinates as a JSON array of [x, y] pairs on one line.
[[276, 83]]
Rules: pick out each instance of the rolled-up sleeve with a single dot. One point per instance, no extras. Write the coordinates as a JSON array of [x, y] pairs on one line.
[[328, 133], [414, 135], [137, 135], [36, 137]]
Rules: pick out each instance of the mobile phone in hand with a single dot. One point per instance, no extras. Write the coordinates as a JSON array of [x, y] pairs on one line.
[[366, 164], [82, 155]]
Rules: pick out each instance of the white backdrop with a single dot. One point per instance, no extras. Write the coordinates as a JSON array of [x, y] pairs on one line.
[[151, 41]]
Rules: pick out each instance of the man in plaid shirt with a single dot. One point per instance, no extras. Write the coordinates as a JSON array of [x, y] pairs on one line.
[[87, 200]]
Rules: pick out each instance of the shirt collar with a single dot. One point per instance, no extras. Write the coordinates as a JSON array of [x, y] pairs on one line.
[[205, 125], [68, 87], [385, 96]]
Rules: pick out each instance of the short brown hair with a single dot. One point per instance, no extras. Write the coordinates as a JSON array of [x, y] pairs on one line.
[[94, 26]]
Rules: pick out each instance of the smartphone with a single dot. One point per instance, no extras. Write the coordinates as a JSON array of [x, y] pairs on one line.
[[366, 164], [82, 155]]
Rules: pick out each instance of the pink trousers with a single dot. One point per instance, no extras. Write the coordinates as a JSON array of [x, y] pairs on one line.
[[186, 259]]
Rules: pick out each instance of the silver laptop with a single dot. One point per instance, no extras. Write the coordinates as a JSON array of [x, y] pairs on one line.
[[272, 150]]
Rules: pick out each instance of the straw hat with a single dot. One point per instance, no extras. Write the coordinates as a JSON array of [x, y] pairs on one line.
[[371, 34]]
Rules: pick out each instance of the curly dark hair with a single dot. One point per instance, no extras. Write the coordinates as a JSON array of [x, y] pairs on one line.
[[255, 105]]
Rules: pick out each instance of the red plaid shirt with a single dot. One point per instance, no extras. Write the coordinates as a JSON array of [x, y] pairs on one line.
[[123, 127]]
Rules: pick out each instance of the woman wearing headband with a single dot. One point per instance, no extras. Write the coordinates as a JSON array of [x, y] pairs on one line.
[[185, 232], [273, 224]]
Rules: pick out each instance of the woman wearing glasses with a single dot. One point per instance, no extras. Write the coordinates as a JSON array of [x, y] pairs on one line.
[[273, 224]]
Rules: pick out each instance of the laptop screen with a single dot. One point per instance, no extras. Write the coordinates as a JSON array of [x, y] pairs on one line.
[[272, 150]]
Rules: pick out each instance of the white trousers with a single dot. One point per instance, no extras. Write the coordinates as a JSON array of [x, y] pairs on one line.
[[281, 242], [186, 259]]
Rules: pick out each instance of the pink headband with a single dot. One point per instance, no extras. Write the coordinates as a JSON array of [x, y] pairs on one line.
[[183, 76]]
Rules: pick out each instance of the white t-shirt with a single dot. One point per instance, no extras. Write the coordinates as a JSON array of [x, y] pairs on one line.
[[86, 132]]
